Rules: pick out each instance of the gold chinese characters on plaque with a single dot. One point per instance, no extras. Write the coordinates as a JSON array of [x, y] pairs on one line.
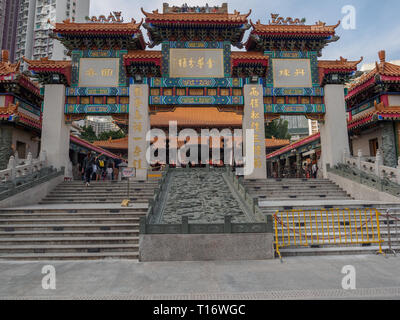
[[291, 73], [98, 72], [198, 63]]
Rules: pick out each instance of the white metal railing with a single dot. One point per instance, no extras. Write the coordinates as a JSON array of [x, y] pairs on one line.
[[22, 167], [373, 166]]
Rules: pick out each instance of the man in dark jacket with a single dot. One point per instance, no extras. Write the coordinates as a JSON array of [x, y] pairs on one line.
[[87, 169]]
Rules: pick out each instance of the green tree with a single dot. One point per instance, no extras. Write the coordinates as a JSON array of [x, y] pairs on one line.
[[88, 134], [277, 128], [112, 134]]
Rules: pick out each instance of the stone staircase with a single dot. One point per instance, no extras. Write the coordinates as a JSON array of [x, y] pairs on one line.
[[101, 192], [75, 222], [315, 195], [69, 234], [295, 189]]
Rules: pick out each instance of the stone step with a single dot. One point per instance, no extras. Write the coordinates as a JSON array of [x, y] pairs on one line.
[[99, 196], [298, 194], [288, 206], [80, 233], [75, 210], [83, 248], [70, 256], [68, 240], [67, 227], [293, 188], [274, 180], [104, 190], [72, 215], [87, 201], [93, 186], [73, 220], [113, 182], [283, 198]]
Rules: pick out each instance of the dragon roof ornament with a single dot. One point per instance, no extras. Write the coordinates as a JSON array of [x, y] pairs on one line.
[[113, 17], [277, 20]]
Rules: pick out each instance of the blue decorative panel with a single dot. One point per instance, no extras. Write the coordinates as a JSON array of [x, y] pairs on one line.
[[314, 91], [294, 108], [197, 100], [96, 108], [111, 91], [196, 82]]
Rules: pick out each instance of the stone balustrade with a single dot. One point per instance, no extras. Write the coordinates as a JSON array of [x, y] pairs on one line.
[[18, 168], [373, 166]]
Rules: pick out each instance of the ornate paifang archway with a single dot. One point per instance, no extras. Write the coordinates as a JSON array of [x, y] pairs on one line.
[[111, 73]]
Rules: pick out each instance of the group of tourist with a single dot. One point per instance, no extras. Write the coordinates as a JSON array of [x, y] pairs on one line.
[[99, 168]]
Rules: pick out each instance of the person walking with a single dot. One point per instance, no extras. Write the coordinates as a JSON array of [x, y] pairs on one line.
[[87, 169], [314, 170], [110, 169]]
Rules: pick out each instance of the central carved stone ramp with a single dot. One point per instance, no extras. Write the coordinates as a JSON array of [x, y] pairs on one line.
[[295, 189], [202, 195], [48, 233], [101, 192]]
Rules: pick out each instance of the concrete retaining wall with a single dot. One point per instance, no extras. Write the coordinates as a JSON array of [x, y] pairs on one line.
[[359, 191], [206, 247], [33, 195]]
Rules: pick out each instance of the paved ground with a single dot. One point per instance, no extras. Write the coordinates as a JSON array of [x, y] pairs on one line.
[[295, 278]]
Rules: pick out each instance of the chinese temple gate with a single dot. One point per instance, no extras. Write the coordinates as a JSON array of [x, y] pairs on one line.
[[112, 72]]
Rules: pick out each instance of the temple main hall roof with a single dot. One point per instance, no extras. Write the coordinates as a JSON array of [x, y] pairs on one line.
[[196, 116], [383, 72]]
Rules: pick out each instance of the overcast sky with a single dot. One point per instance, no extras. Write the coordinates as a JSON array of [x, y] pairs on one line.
[[377, 22]]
